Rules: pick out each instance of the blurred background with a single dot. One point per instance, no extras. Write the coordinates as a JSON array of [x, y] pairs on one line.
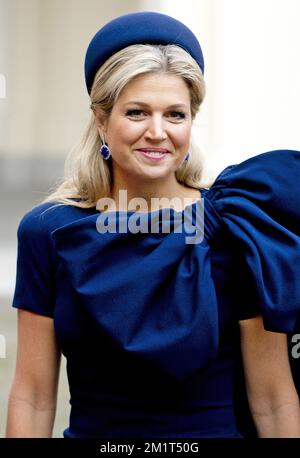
[[251, 50]]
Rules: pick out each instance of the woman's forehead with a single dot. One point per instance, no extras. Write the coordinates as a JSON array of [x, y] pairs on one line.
[[151, 86]]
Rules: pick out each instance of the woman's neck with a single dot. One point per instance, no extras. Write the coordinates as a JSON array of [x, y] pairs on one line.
[[152, 195]]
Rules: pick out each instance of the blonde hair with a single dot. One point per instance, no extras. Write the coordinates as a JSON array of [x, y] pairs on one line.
[[87, 177]]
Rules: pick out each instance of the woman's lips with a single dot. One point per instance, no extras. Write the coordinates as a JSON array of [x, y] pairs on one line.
[[155, 154]]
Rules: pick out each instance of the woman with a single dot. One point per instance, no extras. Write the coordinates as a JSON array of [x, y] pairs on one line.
[[148, 320]]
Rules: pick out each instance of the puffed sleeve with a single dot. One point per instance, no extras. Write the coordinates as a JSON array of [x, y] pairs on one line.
[[259, 202], [34, 288]]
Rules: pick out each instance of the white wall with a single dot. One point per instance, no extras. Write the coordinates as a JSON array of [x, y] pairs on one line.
[[252, 53], [257, 76], [3, 58]]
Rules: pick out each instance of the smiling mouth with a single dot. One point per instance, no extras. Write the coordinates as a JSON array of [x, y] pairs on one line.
[[154, 153]]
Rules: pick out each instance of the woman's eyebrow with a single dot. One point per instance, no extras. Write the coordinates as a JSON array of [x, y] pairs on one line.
[[146, 105]]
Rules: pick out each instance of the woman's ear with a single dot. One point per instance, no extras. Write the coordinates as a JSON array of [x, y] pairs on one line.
[[100, 122]]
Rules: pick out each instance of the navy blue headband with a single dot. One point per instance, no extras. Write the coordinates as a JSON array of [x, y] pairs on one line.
[[138, 28]]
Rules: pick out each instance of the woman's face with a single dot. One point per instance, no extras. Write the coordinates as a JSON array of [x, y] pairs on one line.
[[148, 130]]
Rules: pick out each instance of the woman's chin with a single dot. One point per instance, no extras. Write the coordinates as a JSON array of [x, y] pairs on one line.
[[154, 175]]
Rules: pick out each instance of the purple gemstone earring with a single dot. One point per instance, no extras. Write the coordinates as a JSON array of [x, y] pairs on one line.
[[187, 157], [105, 152]]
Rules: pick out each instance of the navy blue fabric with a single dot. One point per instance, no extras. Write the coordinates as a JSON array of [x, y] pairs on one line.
[[258, 205], [138, 28], [148, 323]]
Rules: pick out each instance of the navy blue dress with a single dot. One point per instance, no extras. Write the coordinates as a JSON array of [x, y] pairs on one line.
[[148, 322]]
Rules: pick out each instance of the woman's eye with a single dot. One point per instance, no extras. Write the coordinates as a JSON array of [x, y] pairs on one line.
[[178, 115], [135, 113]]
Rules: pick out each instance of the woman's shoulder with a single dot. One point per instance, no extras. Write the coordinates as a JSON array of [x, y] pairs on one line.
[[45, 217]]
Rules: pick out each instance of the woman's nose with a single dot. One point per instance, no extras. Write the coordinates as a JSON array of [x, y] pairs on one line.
[[156, 129]]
